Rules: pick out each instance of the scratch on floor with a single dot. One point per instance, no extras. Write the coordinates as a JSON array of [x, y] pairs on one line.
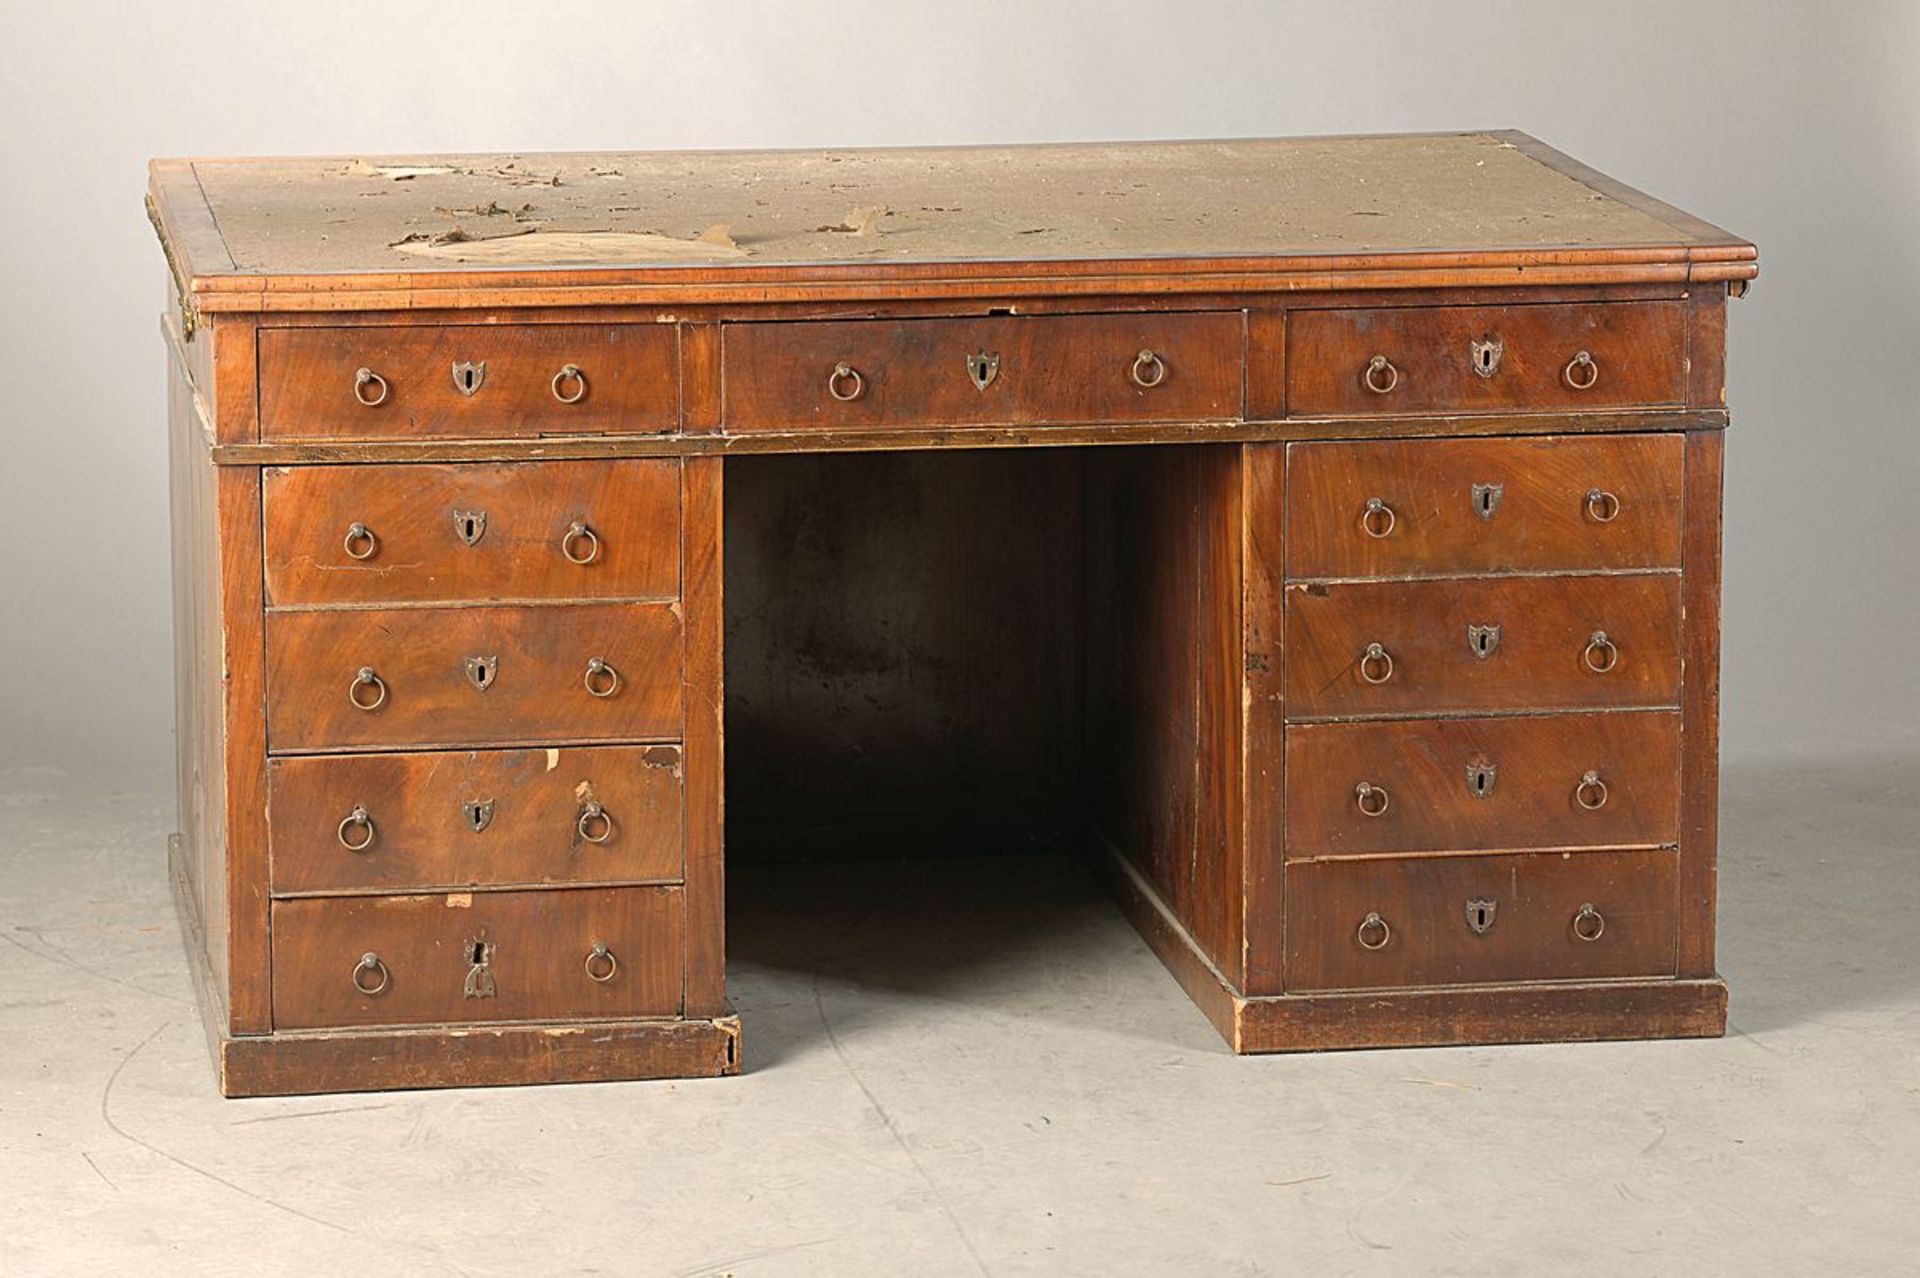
[[53, 954], [887, 1119], [106, 1116], [719, 1268], [104, 1178], [308, 1113]]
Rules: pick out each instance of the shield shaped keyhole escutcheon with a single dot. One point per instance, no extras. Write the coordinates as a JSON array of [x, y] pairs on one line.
[[469, 376], [1486, 499], [478, 813], [1480, 912], [1486, 352], [470, 525], [481, 672], [1481, 776], [982, 368], [1483, 641]]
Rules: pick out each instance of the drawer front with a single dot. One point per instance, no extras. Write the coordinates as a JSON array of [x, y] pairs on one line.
[[1426, 507], [1358, 649], [468, 381], [910, 374], [1551, 916], [478, 956], [456, 819], [1498, 784], [472, 676], [1441, 359], [450, 533]]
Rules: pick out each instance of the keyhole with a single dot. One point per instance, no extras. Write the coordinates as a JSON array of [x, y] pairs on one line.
[[469, 529], [1480, 783], [1481, 642], [1480, 915], [1486, 358], [1486, 503], [474, 819], [466, 379], [479, 953], [480, 676]]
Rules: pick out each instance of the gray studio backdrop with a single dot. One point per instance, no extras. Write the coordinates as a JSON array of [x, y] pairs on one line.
[[1797, 125]]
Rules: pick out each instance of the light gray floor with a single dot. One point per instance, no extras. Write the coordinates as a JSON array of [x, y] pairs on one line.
[[977, 1067]]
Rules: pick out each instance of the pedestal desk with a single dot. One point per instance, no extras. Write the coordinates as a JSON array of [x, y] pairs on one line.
[[1321, 534]]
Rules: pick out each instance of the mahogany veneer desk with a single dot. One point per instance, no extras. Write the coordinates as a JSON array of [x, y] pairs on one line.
[[1373, 651]]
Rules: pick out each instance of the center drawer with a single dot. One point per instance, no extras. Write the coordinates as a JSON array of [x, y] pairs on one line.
[[1379, 648], [998, 370], [360, 679], [552, 955], [454, 819], [472, 532]]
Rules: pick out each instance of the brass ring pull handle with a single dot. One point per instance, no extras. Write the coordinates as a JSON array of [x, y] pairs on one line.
[[1376, 666], [594, 825], [570, 373], [1148, 370], [601, 679], [1380, 376], [1372, 800], [366, 678], [357, 820], [601, 964], [1591, 793], [845, 384], [1581, 372], [1373, 933], [1589, 924], [1601, 653], [365, 377], [579, 535], [370, 962], [360, 543], [1602, 506], [1378, 519]]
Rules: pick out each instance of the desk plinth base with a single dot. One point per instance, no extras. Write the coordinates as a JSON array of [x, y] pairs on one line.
[[1457, 1016], [310, 1062]]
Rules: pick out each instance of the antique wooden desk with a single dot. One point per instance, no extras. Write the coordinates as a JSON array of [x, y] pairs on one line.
[[1323, 533]]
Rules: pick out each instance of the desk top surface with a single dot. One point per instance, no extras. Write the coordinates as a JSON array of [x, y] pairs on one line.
[[416, 230]]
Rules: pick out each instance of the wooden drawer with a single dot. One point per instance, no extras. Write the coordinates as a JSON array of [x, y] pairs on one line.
[[450, 533], [1425, 507], [1427, 909], [1498, 784], [913, 374], [456, 819], [427, 667], [1436, 653], [1637, 353], [626, 381], [418, 953]]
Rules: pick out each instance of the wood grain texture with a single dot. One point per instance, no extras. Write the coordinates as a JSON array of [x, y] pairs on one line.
[[1543, 520], [1423, 768], [537, 693], [243, 737], [478, 1056], [704, 901], [1264, 653], [1700, 706], [1163, 736], [1424, 938], [1546, 624], [420, 836], [914, 374], [535, 944], [415, 551], [629, 381], [1568, 1012], [1638, 349]]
